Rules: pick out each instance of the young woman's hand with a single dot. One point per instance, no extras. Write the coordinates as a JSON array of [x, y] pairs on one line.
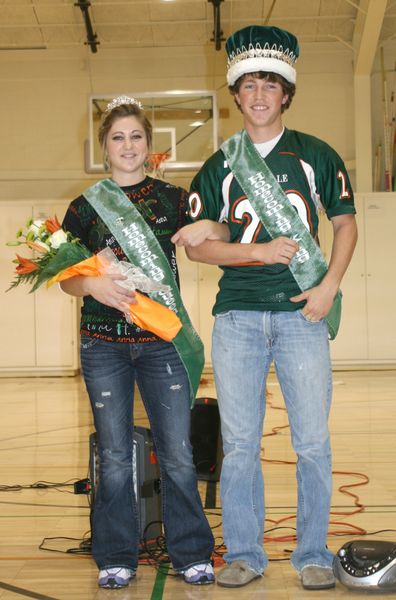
[[108, 291], [195, 233]]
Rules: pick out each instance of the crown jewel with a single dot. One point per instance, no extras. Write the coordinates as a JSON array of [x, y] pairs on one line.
[[258, 51], [120, 100]]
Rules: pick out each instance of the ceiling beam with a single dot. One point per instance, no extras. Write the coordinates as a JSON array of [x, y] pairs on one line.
[[367, 33]]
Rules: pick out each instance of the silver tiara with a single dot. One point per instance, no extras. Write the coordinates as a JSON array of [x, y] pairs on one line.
[[120, 100]]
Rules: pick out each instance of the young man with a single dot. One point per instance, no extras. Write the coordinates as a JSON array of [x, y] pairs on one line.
[[262, 313]]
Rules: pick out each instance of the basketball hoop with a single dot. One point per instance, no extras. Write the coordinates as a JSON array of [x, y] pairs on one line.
[[154, 163]]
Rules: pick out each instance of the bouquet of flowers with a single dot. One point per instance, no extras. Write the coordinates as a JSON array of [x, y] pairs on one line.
[[59, 256], [56, 251]]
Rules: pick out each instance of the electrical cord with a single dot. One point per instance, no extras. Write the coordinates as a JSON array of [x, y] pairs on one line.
[[343, 489], [81, 549], [40, 485], [153, 551]]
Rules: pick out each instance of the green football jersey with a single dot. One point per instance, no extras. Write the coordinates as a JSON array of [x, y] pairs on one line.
[[313, 177]]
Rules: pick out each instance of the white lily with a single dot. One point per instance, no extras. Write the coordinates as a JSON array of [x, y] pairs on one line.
[[57, 238]]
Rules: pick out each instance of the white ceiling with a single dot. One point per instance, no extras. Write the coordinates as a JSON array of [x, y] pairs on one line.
[[46, 24]]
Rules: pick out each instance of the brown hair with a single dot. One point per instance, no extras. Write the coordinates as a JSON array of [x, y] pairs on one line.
[[119, 112], [288, 88]]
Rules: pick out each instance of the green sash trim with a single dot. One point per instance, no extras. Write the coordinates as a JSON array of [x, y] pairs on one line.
[[278, 216], [143, 249]]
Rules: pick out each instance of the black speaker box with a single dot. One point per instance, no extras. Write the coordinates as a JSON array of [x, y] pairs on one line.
[[146, 481], [206, 439]]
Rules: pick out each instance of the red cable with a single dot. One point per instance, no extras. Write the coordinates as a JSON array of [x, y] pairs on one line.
[[343, 489]]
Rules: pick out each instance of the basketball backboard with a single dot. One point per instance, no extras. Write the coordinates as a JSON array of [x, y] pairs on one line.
[[185, 126]]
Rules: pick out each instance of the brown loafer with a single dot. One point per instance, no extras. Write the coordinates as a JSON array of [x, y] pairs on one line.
[[236, 574]]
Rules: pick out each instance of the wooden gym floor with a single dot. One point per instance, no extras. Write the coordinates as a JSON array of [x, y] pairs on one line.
[[44, 432]]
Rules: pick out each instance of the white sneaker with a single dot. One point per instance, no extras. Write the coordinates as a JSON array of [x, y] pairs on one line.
[[199, 574], [115, 577]]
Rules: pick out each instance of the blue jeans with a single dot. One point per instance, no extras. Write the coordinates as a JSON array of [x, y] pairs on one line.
[[110, 370], [244, 345]]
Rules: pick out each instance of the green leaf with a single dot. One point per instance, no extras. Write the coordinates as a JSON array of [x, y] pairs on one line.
[[51, 264]]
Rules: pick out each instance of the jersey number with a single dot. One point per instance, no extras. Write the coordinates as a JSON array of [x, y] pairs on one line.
[[244, 210], [344, 190]]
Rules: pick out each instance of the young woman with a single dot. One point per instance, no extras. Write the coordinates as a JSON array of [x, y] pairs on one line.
[[136, 215]]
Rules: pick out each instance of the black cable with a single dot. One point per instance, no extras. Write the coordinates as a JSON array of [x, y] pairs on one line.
[[360, 534], [155, 552], [78, 550], [39, 485]]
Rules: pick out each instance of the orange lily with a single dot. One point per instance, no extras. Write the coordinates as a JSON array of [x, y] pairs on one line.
[[52, 224], [156, 159], [25, 265]]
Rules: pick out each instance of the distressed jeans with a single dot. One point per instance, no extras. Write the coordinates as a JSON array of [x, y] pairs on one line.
[[110, 371], [244, 345]]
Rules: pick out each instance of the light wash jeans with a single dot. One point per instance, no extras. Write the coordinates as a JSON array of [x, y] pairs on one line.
[[110, 370], [244, 345]]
